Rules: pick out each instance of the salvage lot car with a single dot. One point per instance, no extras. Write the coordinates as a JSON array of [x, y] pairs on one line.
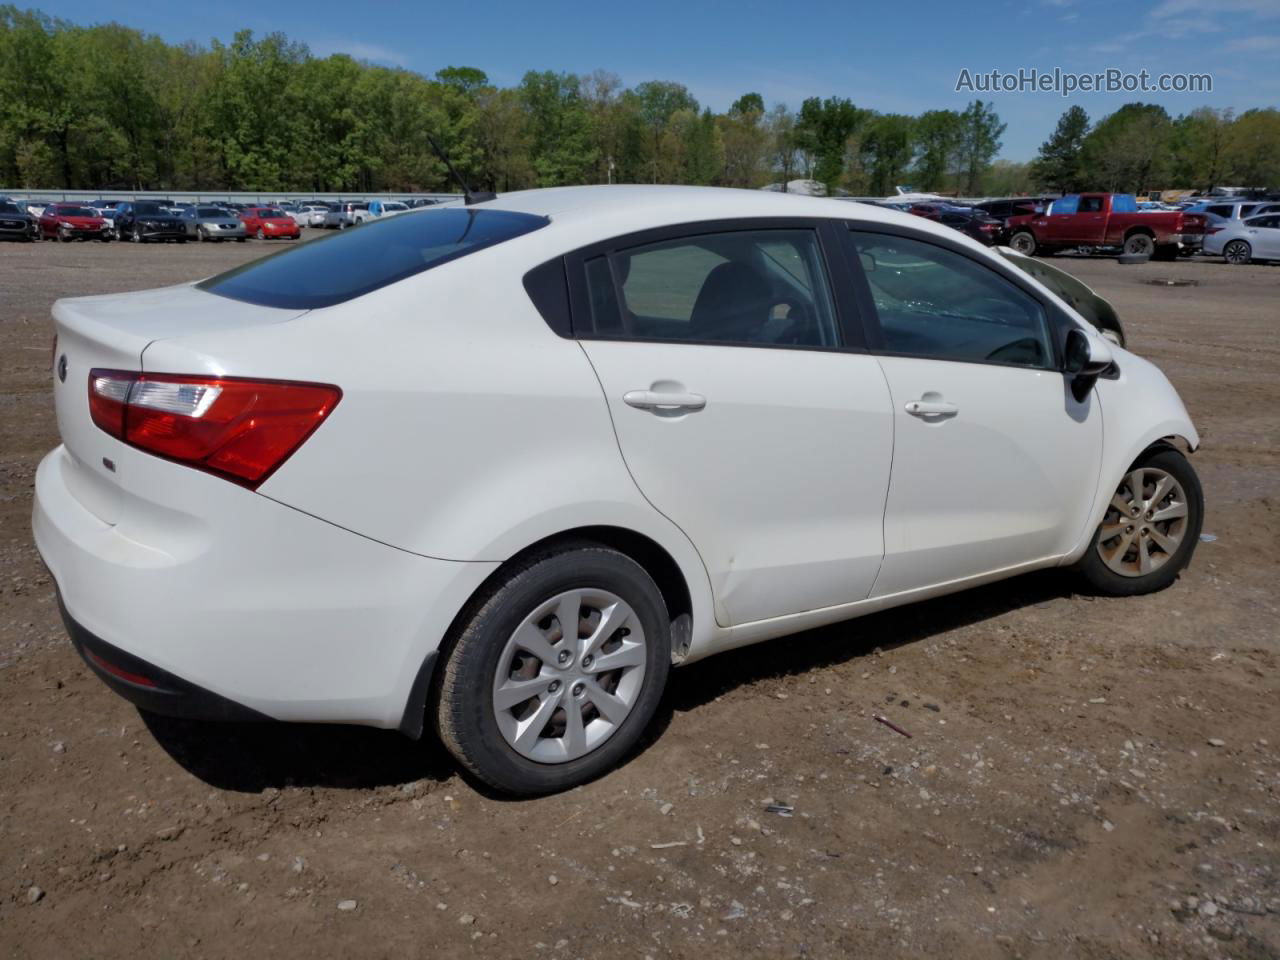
[[216, 223], [642, 426], [71, 221], [140, 220], [1244, 241], [16, 223], [270, 223]]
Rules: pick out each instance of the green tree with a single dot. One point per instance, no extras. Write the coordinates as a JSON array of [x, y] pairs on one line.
[[980, 133], [823, 131], [938, 136], [1058, 164]]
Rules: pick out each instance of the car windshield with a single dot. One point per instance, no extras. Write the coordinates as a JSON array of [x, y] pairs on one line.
[[355, 262], [9, 208], [75, 212], [148, 209], [211, 212]]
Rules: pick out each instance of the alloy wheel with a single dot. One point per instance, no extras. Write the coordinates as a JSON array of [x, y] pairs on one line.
[[1145, 523], [1237, 252], [569, 675]]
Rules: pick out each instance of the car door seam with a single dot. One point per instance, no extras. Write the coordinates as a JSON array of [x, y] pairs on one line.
[[884, 505], [617, 441]]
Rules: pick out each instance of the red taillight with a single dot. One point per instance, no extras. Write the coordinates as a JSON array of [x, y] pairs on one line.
[[240, 429]]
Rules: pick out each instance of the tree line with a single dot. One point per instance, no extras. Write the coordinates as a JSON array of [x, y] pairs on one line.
[[1141, 147], [110, 107]]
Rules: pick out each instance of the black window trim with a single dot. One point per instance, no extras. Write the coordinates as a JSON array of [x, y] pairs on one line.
[[826, 230], [1059, 323]]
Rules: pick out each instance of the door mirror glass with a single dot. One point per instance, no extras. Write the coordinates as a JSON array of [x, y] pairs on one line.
[[868, 262]]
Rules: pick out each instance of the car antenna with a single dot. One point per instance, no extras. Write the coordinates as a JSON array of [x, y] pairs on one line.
[[469, 195]]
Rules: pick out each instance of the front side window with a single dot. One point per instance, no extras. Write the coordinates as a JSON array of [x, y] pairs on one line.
[[742, 287], [351, 263], [934, 303]]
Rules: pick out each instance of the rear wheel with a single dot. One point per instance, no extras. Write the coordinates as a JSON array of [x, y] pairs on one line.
[[1139, 245], [1237, 252], [1024, 241], [554, 678], [1150, 529]]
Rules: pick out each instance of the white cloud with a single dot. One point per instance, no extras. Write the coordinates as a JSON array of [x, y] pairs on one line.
[[1256, 43], [360, 50]]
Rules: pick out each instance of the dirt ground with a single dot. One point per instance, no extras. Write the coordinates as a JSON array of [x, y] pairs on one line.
[[1086, 777]]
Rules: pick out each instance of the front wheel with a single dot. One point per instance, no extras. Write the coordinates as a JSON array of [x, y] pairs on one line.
[[556, 675], [1150, 529], [1237, 252], [1024, 242]]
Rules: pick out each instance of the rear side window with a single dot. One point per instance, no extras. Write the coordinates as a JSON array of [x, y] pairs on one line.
[[765, 287], [355, 262], [1068, 204]]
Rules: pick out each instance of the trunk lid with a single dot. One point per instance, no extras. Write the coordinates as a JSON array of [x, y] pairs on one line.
[[111, 332]]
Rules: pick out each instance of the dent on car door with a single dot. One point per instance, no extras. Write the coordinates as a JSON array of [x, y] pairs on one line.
[[995, 463], [740, 412]]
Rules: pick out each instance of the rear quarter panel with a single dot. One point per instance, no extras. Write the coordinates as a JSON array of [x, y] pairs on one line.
[[467, 429]]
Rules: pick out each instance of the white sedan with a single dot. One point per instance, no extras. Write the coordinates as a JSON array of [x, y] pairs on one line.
[[493, 470], [1243, 241]]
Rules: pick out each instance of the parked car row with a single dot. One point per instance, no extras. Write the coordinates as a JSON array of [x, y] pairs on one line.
[[140, 220]]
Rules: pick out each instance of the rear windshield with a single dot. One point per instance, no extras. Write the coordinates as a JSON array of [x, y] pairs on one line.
[[355, 262]]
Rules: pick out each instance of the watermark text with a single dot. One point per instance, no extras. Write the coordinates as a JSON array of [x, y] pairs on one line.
[[1065, 83]]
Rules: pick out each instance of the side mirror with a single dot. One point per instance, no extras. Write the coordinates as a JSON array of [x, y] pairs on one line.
[[1085, 358], [868, 262]]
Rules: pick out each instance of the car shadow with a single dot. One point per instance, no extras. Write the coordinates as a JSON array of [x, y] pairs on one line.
[[849, 640], [251, 757]]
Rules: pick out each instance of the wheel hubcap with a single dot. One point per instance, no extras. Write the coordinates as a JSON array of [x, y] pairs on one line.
[[569, 675], [1144, 524]]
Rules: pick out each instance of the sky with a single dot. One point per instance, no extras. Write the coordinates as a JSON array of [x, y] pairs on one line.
[[886, 56]]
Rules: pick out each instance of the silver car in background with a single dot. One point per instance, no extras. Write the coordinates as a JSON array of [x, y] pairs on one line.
[[214, 223], [1242, 241], [311, 215], [345, 215]]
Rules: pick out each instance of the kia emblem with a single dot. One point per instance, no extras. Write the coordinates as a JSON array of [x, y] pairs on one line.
[[62, 368]]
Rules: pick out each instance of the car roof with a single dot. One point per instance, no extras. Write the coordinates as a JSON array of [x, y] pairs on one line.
[[582, 215]]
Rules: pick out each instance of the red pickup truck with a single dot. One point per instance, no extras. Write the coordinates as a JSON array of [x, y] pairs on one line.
[[1106, 220]]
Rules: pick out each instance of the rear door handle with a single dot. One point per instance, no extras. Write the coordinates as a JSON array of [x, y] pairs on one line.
[[931, 408], [661, 400]]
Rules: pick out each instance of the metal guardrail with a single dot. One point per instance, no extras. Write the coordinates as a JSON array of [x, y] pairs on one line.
[[202, 196]]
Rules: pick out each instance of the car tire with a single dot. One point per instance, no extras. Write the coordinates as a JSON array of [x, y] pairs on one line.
[[135, 237], [202, 235], [64, 236], [527, 747], [1024, 242], [1237, 253], [1124, 542], [1139, 245]]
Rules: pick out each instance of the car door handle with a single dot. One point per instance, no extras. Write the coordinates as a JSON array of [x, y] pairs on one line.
[[931, 408], [661, 400]]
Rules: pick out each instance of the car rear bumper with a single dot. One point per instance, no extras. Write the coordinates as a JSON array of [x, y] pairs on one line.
[[146, 685], [233, 604]]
